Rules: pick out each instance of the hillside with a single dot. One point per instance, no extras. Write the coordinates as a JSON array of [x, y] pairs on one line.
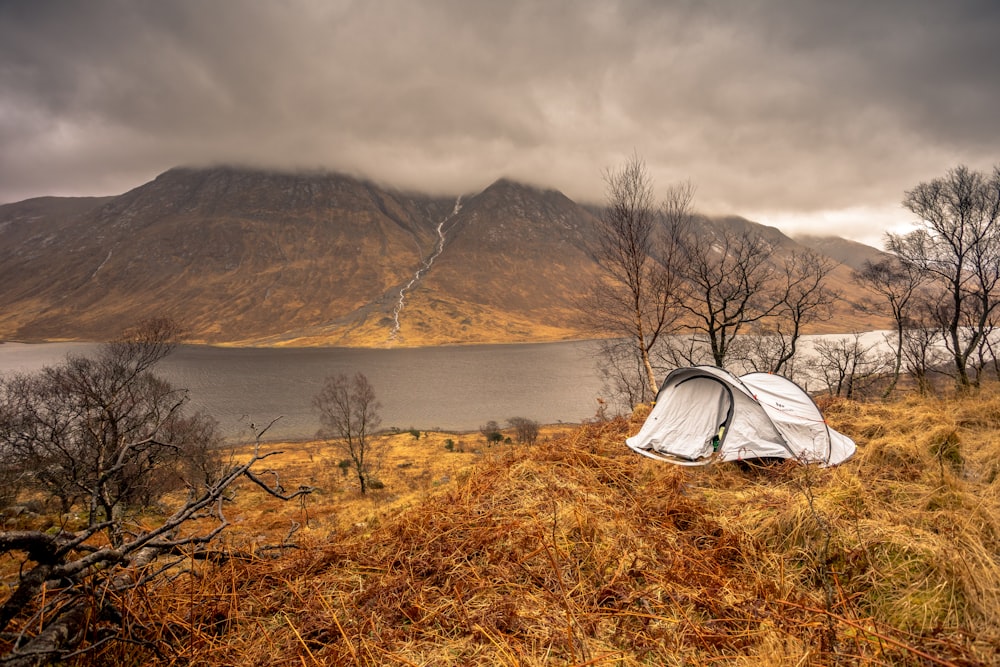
[[229, 254], [576, 551], [850, 253], [240, 256]]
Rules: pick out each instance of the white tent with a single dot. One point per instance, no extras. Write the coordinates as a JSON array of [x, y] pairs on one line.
[[705, 414]]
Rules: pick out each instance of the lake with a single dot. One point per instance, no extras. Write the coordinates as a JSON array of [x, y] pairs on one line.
[[455, 388]]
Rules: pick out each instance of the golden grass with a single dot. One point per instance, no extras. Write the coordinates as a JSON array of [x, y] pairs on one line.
[[576, 551]]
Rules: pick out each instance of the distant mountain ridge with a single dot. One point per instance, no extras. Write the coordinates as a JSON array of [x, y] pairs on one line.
[[849, 253], [244, 256]]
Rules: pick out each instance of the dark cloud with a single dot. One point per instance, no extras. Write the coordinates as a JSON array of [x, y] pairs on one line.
[[785, 111]]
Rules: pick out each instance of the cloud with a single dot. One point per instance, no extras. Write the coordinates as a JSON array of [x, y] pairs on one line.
[[787, 108]]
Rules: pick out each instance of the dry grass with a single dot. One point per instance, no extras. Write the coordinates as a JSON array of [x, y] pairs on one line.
[[578, 552]]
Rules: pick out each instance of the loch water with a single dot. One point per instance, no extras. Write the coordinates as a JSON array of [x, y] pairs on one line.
[[453, 388]]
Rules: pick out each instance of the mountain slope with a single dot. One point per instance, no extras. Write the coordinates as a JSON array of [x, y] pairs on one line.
[[231, 254], [850, 253], [529, 258], [242, 256]]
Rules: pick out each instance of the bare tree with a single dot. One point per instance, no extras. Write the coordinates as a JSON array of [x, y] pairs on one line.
[[957, 244], [105, 432], [728, 285], [804, 299], [623, 373], [11, 476], [107, 435], [349, 413], [637, 250], [988, 348], [491, 432], [898, 284], [847, 365], [921, 356], [70, 579], [762, 349], [801, 297], [525, 430]]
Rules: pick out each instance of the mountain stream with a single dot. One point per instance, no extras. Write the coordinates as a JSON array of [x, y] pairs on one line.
[[438, 249]]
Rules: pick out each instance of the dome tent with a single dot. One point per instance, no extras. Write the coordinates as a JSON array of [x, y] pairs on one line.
[[705, 413]]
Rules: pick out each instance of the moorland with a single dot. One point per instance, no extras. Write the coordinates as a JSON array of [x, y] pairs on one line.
[[575, 551]]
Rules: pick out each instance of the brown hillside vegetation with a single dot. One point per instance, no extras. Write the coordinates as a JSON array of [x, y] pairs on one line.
[[576, 551]]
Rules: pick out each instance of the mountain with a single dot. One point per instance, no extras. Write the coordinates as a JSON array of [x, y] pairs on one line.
[[242, 256], [850, 253], [513, 262]]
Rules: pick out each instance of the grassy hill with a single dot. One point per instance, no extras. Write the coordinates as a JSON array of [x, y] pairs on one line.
[[576, 551]]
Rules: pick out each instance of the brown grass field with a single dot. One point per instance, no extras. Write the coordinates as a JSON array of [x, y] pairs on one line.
[[576, 551]]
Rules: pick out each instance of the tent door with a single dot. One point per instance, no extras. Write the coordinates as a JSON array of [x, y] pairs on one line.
[[696, 409]]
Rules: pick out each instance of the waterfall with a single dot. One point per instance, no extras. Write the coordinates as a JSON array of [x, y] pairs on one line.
[[422, 270]]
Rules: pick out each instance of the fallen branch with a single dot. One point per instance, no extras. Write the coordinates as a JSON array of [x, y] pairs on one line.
[[87, 576]]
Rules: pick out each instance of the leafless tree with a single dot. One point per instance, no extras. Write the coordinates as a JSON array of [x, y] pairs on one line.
[[988, 352], [729, 285], [12, 471], [82, 576], [921, 357], [11, 476], [957, 244], [491, 432], [760, 349], [685, 350], [800, 298], [622, 373], [898, 284], [349, 413], [114, 436], [525, 430], [804, 300], [637, 250], [105, 432], [847, 365]]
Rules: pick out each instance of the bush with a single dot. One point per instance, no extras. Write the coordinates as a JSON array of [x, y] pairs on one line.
[[491, 431]]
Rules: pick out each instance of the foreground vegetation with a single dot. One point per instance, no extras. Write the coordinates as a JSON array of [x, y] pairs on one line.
[[576, 551]]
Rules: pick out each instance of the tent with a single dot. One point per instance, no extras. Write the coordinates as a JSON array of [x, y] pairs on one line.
[[705, 413]]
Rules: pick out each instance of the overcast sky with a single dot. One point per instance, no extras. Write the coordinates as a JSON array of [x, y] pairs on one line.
[[812, 116]]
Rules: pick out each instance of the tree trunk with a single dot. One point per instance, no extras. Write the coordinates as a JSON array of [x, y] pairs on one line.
[[649, 372], [60, 635]]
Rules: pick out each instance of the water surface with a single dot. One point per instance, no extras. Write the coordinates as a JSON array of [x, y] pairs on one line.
[[454, 388]]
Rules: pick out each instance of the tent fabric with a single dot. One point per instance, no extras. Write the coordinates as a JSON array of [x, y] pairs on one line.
[[758, 415], [691, 416]]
